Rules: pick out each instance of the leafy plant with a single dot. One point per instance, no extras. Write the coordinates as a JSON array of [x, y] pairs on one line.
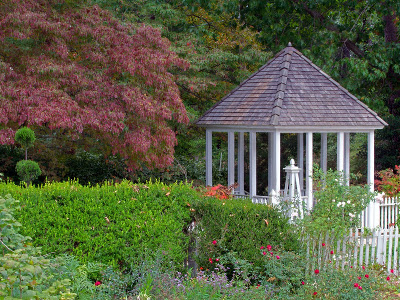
[[28, 170], [26, 137], [338, 206], [389, 181]]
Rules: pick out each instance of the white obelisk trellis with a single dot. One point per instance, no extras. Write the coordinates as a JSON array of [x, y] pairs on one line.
[[292, 191]]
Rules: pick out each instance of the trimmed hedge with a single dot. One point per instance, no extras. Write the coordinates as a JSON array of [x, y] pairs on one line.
[[110, 223], [240, 228]]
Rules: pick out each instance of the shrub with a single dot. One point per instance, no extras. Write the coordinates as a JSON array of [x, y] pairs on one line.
[[110, 223], [338, 206], [239, 227], [26, 137], [389, 181], [28, 170]]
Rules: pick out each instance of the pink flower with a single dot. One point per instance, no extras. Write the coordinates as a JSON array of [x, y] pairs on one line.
[[363, 267], [316, 271], [323, 244], [315, 293], [388, 278], [303, 283], [272, 253], [277, 257], [210, 260], [351, 266], [97, 283], [332, 252], [366, 276], [217, 259], [262, 247], [264, 253], [214, 242], [356, 285], [391, 271], [359, 287], [359, 278], [269, 247]]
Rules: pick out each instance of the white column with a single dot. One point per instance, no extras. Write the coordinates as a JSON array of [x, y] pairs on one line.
[[372, 212], [270, 166], [324, 152], [276, 161], [347, 157], [241, 163], [231, 158], [309, 169], [300, 158], [208, 157], [253, 166], [340, 151]]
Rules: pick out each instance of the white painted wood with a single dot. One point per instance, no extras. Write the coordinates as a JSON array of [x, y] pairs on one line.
[[389, 259], [276, 162], [270, 165], [290, 129], [373, 209], [208, 157], [347, 158], [300, 157], [231, 158], [253, 164], [340, 152], [324, 152], [309, 169], [241, 163]]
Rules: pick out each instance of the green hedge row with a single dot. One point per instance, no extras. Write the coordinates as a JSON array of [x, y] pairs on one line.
[[110, 223]]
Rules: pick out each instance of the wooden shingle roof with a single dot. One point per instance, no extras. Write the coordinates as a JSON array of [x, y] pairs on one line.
[[290, 91]]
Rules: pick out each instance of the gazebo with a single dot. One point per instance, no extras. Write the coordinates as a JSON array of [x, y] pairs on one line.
[[289, 94]]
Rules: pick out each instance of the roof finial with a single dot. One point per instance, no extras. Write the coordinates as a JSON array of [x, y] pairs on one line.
[[290, 44]]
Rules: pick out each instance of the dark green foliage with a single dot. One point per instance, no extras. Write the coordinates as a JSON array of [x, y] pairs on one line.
[[240, 226], [28, 170], [108, 223]]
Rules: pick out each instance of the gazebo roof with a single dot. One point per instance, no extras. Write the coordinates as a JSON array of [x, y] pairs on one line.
[[290, 91]]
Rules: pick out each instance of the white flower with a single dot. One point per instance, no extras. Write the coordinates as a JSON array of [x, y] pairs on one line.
[[351, 215], [348, 201], [333, 200]]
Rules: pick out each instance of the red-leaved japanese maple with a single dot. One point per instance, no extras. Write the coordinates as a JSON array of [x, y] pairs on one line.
[[81, 70]]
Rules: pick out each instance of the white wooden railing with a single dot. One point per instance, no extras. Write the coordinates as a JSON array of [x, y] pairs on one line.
[[354, 249], [389, 211]]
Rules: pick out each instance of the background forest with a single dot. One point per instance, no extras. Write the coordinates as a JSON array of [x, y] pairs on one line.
[[102, 82]]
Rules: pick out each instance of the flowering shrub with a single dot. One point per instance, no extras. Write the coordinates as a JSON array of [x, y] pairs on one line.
[[337, 205], [220, 192], [389, 181]]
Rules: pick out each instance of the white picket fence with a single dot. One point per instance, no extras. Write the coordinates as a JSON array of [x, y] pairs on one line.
[[355, 249], [389, 211]]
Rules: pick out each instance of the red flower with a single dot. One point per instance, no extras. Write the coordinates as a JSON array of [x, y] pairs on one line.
[[359, 287], [201, 268], [315, 293], [272, 253], [269, 247], [356, 285], [262, 247], [97, 283], [351, 266], [214, 242], [303, 283], [277, 257], [210, 260], [217, 259], [366, 276], [323, 244], [264, 253], [363, 267], [391, 271], [388, 278], [316, 271], [332, 252], [359, 278]]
